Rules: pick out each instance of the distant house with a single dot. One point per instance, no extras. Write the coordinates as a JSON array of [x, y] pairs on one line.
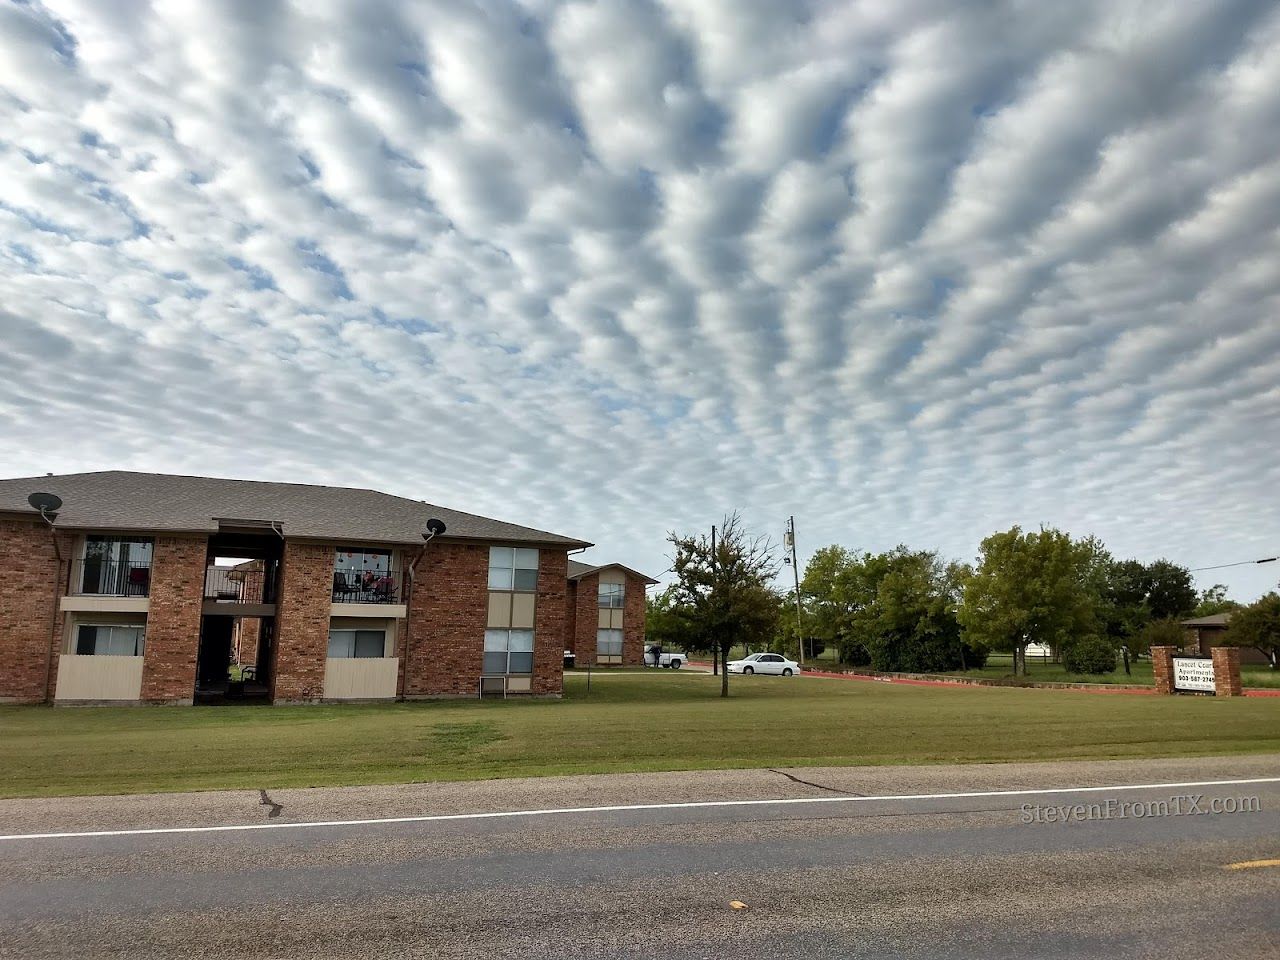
[[1204, 633]]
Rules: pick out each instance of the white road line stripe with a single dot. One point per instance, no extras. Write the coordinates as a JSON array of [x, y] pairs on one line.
[[620, 808]]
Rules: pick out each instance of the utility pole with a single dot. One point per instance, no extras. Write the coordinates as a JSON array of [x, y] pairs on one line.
[[790, 541], [715, 641]]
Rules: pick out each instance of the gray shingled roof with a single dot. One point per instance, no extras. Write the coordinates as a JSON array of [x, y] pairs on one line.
[[121, 500], [577, 570], [1213, 620]]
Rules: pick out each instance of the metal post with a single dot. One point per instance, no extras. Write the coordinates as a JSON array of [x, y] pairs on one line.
[[795, 569], [715, 640]]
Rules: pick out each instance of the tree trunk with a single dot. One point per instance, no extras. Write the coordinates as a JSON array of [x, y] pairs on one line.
[[715, 661], [724, 676]]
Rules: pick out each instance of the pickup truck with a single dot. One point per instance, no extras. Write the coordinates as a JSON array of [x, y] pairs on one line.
[[655, 656]]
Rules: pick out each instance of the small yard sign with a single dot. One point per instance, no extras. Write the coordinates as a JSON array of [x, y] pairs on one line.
[[1192, 673]]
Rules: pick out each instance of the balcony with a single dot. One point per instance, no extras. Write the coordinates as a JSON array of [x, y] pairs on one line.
[[367, 586], [244, 584], [111, 578]]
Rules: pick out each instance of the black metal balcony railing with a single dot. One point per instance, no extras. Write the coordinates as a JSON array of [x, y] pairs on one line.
[[232, 585], [111, 578], [367, 586]]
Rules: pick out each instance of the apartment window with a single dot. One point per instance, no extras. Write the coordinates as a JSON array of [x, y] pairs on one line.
[[508, 651], [611, 596], [357, 643], [109, 640], [116, 566], [513, 568], [608, 646]]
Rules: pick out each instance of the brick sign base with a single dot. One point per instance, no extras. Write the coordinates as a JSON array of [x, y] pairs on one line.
[[1226, 670]]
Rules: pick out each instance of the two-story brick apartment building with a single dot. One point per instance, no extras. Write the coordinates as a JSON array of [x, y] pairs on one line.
[[606, 614], [145, 587]]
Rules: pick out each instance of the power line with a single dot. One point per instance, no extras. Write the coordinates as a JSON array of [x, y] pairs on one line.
[[1239, 563]]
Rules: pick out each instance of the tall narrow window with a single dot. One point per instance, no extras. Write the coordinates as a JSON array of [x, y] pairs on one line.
[[611, 595], [513, 568], [508, 651], [608, 646]]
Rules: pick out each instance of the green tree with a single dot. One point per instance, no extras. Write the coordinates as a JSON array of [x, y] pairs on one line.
[[787, 640], [670, 623], [1131, 594], [1030, 588], [1214, 600], [1171, 591], [1258, 626], [839, 587], [912, 622], [1122, 587], [726, 589]]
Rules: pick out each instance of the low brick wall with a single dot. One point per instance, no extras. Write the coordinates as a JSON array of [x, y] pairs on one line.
[[942, 678], [1226, 672], [1162, 668]]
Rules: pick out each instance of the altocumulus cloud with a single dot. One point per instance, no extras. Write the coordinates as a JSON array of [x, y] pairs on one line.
[[913, 271]]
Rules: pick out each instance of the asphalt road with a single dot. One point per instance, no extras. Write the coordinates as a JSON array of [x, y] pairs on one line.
[[846, 877]]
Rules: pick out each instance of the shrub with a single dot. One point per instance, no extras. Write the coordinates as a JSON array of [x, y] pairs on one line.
[[975, 655], [1158, 633], [1090, 655]]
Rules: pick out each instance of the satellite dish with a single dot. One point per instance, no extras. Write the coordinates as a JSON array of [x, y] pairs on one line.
[[435, 527], [46, 503]]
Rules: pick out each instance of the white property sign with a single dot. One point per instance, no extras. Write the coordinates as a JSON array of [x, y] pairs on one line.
[[1191, 673]]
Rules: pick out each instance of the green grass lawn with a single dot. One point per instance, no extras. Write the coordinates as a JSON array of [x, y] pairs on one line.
[[667, 721]]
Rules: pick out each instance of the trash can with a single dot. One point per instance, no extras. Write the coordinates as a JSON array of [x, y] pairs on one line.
[[568, 660]]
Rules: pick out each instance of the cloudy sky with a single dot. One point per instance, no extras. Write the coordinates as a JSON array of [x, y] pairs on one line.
[[912, 271]]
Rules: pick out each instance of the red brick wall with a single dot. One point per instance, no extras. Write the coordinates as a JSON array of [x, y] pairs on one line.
[[250, 630], [571, 616], [1162, 668], [633, 611], [173, 619], [549, 629], [302, 622], [587, 620], [446, 622], [29, 592], [1226, 671]]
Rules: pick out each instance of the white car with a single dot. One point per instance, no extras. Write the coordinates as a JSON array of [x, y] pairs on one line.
[[774, 663]]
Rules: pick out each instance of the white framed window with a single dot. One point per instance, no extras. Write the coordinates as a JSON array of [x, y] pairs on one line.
[[110, 640], [611, 595], [608, 646], [345, 644], [513, 568], [508, 651]]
